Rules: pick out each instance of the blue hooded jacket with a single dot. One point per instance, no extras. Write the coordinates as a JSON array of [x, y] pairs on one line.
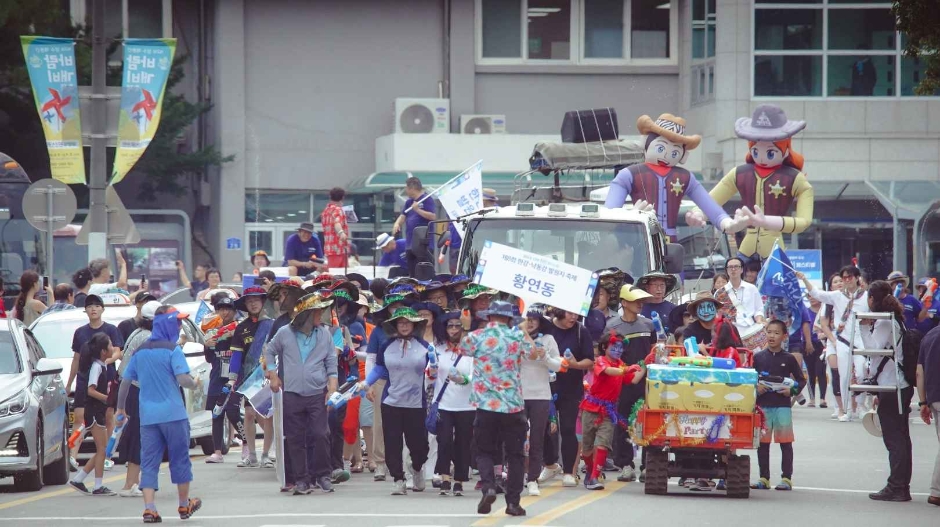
[[155, 366]]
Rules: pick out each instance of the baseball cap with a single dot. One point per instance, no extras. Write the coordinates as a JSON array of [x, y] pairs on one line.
[[93, 300], [224, 302], [150, 309], [144, 298]]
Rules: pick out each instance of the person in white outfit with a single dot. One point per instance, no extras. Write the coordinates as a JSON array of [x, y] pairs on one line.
[[537, 391], [749, 307], [455, 413], [850, 299]]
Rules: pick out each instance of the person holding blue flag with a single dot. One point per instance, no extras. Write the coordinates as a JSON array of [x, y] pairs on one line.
[[777, 280]]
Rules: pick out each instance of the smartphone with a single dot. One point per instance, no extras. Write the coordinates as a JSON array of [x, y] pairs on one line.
[[259, 281], [143, 278], [45, 282]]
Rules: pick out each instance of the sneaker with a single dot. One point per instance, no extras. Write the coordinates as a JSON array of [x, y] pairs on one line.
[[288, 487], [582, 467], [215, 458], [445, 488], [458, 489], [248, 463], [399, 488], [436, 481], [302, 487], [835, 414], [379, 473], [236, 441], [702, 485], [79, 486], [533, 489], [325, 484], [103, 491], [721, 485], [73, 464], [785, 484], [683, 482], [266, 462], [627, 474], [486, 502], [417, 477], [592, 484], [549, 473], [642, 475], [186, 512], [568, 481], [761, 484], [409, 480], [108, 465], [245, 452], [152, 516], [133, 492], [515, 509], [845, 418]]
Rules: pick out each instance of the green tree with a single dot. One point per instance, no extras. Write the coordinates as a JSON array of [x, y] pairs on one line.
[[919, 20]]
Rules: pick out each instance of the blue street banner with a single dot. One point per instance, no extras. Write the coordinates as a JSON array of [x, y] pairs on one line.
[[777, 279], [51, 66], [535, 278], [147, 63]]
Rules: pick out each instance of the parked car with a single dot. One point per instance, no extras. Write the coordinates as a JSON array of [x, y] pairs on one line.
[[34, 426], [54, 331]]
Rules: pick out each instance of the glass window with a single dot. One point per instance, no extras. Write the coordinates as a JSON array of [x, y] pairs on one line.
[[502, 28], [649, 29], [788, 29], [549, 29], [861, 29], [710, 49], [603, 29], [698, 41], [145, 18], [9, 358], [792, 76], [272, 207], [261, 241], [912, 72], [861, 76]]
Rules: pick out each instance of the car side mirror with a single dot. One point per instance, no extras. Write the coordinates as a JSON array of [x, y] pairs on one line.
[[193, 349], [47, 366], [443, 239], [674, 259]]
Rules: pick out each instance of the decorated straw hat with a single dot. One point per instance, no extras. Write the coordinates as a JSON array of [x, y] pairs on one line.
[[897, 276], [318, 300], [670, 127], [671, 281], [291, 284], [321, 281], [768, 123], [474, 291], [404, 313], [693, 305], [346, 290], [254, 291]]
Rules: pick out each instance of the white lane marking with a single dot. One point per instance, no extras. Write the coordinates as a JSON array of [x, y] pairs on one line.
[[821, 489], [251, 516]]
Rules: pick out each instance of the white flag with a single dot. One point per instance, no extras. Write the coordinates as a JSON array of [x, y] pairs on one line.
[[464, 194]]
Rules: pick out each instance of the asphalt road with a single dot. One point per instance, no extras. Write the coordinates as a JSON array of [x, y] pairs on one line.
[[836, 465]]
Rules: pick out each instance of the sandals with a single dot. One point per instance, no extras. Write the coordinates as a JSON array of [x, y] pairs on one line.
[[194, 505], [356, 469], [761, 484], [152, 517], [785, 484]]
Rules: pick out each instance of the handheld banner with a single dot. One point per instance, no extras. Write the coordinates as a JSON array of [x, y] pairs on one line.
[[51, 66], [147, 63], [535, 278], [464, 194], [778, 279], [809, 262]]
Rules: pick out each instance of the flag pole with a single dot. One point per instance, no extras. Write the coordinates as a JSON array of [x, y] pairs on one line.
[[782, 263], [438, 189]]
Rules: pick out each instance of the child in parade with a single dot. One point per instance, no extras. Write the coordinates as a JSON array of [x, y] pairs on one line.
[[91, 364]]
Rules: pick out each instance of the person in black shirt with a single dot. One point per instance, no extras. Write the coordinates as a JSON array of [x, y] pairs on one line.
[[705, 311], [82, 281], [773, 361], [575, 344], [126, 327], [218, 354]]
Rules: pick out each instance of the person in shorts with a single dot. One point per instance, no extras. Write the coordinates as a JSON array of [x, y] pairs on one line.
[[91, 364]]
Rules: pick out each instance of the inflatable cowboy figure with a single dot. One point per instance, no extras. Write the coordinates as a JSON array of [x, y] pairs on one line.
[[769, 182], [660, 183]]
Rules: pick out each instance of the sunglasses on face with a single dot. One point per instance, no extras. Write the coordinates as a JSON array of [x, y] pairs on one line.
[[455, 325]]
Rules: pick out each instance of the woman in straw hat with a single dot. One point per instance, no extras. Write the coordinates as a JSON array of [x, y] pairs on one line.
[[660, 183], [402, 362], [769, 182]]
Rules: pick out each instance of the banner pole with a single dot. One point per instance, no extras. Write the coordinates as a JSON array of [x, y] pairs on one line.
[[97, 179], [438, 189]]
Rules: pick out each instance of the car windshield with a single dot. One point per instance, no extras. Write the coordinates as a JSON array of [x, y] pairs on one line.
[[591, 245], [9, 358], [55, 334]]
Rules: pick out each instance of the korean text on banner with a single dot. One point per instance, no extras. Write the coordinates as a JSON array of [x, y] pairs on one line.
[[535, 278], [464, 194], [777, 279], [147, 63], [51, 66], [808, 262]]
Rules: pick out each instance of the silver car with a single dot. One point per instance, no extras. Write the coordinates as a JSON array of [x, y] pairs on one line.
[[55, 330], [34, 423]]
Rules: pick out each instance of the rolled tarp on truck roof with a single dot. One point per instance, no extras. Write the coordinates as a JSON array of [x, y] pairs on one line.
[[575, 156]]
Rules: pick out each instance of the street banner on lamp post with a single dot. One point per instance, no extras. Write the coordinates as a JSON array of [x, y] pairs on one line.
[[147, 63], [51, 66]]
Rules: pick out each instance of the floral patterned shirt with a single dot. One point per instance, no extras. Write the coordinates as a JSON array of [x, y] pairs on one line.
[[497, 350], [332, 244]]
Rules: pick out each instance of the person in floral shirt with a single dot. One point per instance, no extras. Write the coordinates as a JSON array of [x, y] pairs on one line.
[[335, 230], [497, 349]]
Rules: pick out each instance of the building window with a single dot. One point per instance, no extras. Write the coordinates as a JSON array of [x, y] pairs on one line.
[[829, 48], [576, 31], [277, 207], [703, 51]]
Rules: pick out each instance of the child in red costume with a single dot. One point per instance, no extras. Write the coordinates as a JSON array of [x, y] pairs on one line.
[[599, 407]]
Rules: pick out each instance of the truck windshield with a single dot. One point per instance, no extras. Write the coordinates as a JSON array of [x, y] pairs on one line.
[[590, 245]]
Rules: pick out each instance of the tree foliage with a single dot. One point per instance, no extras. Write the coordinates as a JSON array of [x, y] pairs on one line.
[[919, 20]]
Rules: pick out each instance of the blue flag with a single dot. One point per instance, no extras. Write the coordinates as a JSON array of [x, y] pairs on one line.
[[777, 279], [202, 312]]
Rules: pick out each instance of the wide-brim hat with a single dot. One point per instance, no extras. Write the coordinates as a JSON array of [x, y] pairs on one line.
[[383, 239], [428, 306], [306, 226], [393, 299], [310, 301], [403, 280], [402, 289], [872, 423], [321, 281], [898, 275], [367, 302], [490, 195], [672, 283], [253, 291], [693, 305], [404, 313], [360, 280], [262, 253], [633, 293], [458, 279], [294, 283], [432, 285], [474, 291], [346, 290], [611, 279], [675, 316], [670, 127], [501, 308], [767, 123]]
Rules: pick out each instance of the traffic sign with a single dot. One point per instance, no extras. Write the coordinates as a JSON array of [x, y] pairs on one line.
[[49, 204], [121, 228]]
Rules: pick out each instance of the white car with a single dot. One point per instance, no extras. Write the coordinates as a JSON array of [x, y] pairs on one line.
[[54, 332]]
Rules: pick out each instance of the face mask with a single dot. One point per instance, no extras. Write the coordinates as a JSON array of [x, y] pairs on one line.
[[706, 311]]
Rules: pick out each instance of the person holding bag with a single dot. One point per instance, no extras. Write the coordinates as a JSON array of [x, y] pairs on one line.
[[451, 414]]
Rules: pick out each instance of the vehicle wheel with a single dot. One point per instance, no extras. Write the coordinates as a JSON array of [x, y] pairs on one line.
[[58, 472], [31, 481], [657, 475], [739, 470], [206, 443]]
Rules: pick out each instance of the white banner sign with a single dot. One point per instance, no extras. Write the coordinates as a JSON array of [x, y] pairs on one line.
[[464, 194], [535, 278]]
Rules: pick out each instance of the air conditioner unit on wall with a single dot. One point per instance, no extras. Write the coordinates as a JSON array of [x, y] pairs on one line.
[[483, 124], [422, 116]]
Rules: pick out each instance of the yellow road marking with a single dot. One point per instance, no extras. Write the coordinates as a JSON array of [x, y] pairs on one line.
[[495, 517], [569, 506]]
